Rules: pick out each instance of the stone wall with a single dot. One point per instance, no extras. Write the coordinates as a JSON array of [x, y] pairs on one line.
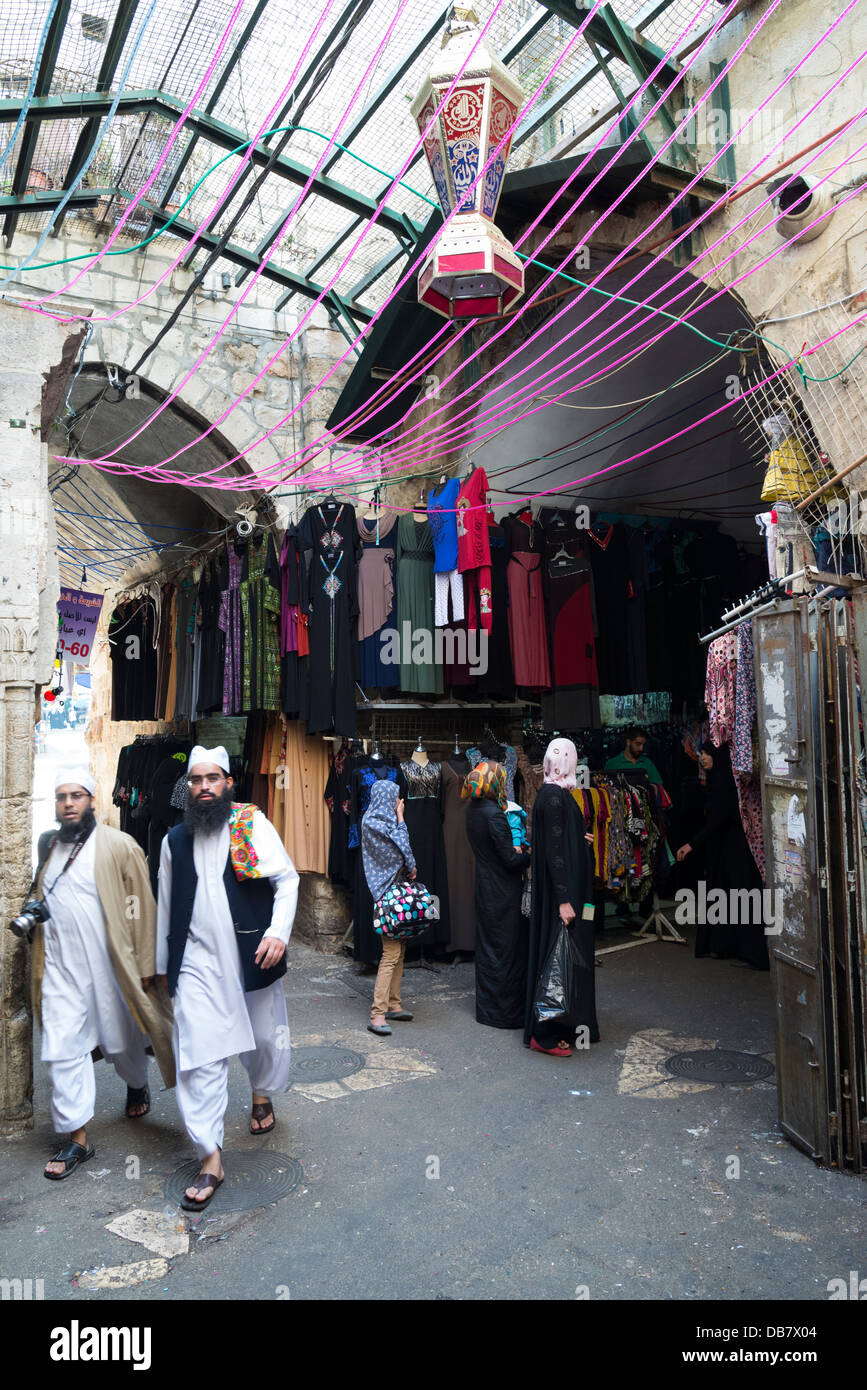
[[29, 348], [226, 373]]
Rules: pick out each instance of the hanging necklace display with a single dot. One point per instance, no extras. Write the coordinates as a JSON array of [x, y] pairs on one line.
[[331, 586], [330, 539]]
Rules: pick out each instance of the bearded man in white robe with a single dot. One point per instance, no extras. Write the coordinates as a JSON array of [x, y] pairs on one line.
[[226, 904], [93, 967]]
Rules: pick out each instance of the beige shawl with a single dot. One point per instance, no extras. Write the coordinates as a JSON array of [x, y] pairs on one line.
[[124, 890]]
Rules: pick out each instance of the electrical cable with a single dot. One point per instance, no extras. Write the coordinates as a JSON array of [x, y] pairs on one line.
[[506, 138], [603, 137], [79, 178], [547, 325], [31, 87], [366, 232], [361, 9], [534, 365]]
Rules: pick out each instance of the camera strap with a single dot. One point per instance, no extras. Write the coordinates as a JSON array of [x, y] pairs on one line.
[[77, 847]]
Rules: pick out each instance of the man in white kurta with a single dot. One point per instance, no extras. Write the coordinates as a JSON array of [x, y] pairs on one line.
[[215, 1018], [82, 1005]]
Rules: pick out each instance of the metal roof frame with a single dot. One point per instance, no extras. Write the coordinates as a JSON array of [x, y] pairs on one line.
[[126, 11], [65, 106], [234, 59], [524, 36], [241, 256], [31, 127], [385, 90]]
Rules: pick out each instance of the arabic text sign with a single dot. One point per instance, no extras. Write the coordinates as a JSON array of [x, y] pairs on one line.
[[78, 613]]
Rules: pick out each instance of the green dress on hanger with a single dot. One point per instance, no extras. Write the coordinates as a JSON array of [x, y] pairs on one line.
[[415, 606]]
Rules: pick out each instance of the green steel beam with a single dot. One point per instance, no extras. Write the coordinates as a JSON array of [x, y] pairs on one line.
[[62, 107], [549, 108], [602, 31], [48, 199], [44, 78], [338, 311], [334, 245], [373, 274], [322, 259], [627, 45], [71, 106], [360, 121], [113, 50], [241, 256]]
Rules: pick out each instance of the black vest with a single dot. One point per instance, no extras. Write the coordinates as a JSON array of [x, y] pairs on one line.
[[251, 903]]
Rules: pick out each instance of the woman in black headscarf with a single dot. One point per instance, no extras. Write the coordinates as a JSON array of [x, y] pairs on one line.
[[501, 938], [729, 865], [561, 886]]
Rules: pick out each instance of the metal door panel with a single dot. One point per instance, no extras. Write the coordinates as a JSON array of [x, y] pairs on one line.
[[786, 681]]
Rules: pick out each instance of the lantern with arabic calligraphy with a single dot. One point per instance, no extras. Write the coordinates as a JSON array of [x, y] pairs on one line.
[[472, 269]]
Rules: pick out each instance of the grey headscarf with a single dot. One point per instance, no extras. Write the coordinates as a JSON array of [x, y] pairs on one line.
[[385, 846]]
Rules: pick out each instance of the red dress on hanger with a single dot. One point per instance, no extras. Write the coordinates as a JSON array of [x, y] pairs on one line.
[[474, 550]]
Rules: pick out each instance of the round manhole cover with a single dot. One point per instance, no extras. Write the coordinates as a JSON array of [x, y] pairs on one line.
[[718, 1067], [311, 1065], [252, 1180]]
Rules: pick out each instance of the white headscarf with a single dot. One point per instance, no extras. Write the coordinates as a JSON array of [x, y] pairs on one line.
[[561, 763], [75, 776], [219, 756]]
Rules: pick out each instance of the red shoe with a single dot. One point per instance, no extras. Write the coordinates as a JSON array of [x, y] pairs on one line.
[[550, 1051]]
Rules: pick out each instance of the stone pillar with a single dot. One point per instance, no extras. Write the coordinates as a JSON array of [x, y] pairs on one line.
[[31, 351]]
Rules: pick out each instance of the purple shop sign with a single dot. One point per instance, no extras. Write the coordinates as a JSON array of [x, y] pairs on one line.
[[78, 616]]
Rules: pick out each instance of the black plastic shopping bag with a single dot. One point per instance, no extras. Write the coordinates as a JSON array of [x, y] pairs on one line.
[[557, 995]]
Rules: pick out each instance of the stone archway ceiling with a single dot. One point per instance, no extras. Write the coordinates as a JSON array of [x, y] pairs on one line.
[[129, 525], [89, 45]]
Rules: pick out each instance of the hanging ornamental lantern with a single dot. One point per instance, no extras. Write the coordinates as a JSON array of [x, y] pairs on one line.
[[472, 269]]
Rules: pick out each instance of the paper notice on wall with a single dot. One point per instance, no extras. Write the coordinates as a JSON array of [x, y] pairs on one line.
[[796, 822], [78, 616]]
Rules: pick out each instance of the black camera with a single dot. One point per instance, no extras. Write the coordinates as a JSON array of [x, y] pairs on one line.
[[32, 912]]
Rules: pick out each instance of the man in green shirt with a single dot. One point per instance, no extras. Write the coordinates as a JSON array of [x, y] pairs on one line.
[[633, 759]]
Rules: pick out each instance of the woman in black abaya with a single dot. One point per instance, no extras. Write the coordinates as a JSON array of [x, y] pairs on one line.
[[561, 885], [729, 865], [501, 937]]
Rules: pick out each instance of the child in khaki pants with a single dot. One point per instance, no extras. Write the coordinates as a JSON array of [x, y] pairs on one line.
[[387, 856]]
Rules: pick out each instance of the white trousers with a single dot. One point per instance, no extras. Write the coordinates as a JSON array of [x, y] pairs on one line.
[[449, 580], [73, 1084], [203, 1092]]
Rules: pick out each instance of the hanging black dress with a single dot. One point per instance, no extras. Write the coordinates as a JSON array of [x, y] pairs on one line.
[[294, 618], [212, 641], [560, 874], [330, 535], [499, 680], [729, 865], [424, 807], [501, 935], [338, 804]]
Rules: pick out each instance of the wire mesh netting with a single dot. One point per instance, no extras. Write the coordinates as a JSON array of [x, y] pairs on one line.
[[807, 428], [338, 90]]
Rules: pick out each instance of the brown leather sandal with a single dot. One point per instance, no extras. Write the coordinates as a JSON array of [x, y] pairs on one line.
[[202, 1181], [261, 1110]]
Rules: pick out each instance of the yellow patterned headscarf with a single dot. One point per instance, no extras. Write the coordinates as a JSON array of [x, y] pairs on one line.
[[487, 780]]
